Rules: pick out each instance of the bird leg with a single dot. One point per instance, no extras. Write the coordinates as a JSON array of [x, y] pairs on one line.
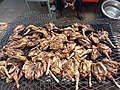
[[111, 78], [109, 41], [77, 81], [89, 82], [47, 71], [51, 74], [2, 68]]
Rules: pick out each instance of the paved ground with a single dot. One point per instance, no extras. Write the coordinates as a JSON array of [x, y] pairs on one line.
[[11, 9]]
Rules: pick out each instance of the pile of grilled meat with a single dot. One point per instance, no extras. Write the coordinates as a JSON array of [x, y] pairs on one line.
[[70, 52]]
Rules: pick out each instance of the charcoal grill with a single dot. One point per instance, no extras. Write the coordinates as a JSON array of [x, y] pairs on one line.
[[46, 82]]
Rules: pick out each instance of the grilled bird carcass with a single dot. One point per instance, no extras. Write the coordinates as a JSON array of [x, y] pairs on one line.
[[103, 36], [75, 35], [78, 53], [85, 70], [50, 26], [103, 48], [68, 31], [85, 42], [99, 71], [44, 44], [12, 71], [3, 70], [85, 28], [112, 68], [95, 53], [16, 32], [105, 69], [57, 41], [28, 70], [94, 38], [15, 53], [70, 70]]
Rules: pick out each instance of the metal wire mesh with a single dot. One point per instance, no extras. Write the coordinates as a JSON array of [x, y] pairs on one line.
[[46, 82]]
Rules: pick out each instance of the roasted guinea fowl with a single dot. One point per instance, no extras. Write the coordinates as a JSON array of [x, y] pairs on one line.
[[75, 35], [105, 68], [103, 48], [3, 70], [34, 70], [77, 53], [16, 32], [50, 26], [57, 41], [84, 41], [70, 70], [94, 52], [44, 44], [67, 52], [15, 53], [99, 71], [103, 36], [13, 72], [94, 37], [67, 31], [112, 68], [85, 70], [84, 28]]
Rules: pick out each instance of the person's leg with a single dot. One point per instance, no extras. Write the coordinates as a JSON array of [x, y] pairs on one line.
[[78, 6], [59, 6]]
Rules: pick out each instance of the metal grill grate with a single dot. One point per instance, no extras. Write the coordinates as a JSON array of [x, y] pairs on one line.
[[46, 82]]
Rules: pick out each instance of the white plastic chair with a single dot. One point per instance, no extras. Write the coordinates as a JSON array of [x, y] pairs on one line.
[[47, 1]]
